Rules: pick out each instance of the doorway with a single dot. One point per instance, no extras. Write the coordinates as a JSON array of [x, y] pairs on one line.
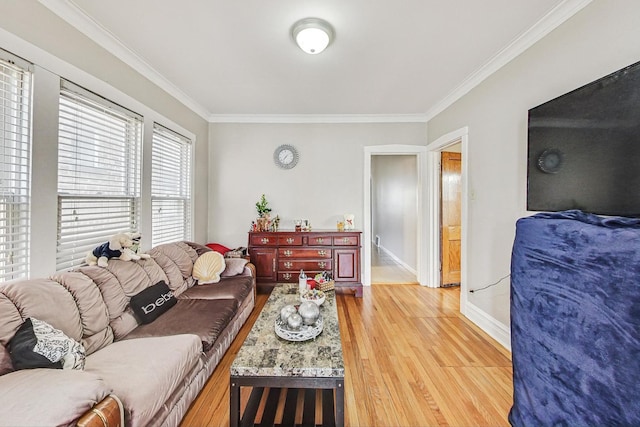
[[434, 257], [420, 153], [450, 215], [394, 186]]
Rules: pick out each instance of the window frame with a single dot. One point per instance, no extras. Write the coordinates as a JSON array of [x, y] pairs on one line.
[[99, 172], [16, 143], [177, 193]]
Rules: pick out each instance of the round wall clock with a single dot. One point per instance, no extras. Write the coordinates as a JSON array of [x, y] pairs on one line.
[[285, 156]]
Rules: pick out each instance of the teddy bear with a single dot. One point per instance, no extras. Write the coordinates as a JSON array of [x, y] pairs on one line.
[[122, 246]]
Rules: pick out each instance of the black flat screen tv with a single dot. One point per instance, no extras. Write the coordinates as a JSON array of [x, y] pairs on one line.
[[584, 148]]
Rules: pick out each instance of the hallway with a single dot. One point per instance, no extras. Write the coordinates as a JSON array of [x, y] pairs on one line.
[[386, 270]]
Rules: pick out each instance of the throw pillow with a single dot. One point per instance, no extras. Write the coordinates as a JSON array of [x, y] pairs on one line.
[[234, 266], [208, 267], [218, 248], [154, 301], [37, 344]]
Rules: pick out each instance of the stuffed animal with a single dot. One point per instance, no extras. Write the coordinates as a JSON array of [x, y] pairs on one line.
[[119, 246]]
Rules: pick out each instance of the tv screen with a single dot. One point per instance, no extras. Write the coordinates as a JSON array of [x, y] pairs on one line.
[[584, 148]]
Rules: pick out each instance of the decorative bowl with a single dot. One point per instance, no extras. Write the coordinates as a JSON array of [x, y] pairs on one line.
[[313, 295]]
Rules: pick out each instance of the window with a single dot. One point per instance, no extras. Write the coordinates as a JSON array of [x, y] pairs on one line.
[[15, 163], [170, 186], [98, 173]]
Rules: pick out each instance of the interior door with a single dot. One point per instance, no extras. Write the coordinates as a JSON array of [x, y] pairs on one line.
[[450, 229]]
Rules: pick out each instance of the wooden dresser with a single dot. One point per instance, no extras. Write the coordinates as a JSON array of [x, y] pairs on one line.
[[279, 256]]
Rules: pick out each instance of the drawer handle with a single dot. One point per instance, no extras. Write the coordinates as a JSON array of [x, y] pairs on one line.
[[265, 240], [322, 264], [319, 240], [287, 276], [322, 253], [290, 240], [345, 240], [288, 253], [288, 264]]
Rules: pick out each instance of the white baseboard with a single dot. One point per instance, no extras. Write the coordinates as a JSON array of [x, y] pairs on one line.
[[398, 260], [490, 325]]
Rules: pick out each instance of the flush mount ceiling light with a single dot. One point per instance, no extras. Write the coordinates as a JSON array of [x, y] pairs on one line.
[[312, 35]]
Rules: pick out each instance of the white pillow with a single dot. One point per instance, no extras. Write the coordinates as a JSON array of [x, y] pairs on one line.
[[208, 267], [55, 345], [234, 266]]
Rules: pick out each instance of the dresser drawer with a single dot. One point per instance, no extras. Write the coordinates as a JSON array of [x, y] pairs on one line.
[[319, 241], [290, 240], [306, 253], [263, 240], [345, 240], [295, 265], [288, 276]]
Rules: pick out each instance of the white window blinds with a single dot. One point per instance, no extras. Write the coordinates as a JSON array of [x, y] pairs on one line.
[[98, 173], [170, 186], [15, 162]]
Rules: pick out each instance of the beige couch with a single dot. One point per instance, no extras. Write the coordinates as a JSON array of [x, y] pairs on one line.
[[155, 370]]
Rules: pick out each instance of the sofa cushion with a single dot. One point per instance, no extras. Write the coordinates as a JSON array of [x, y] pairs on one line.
[[145, 372], [234, 266], [236, 287], [24, 298], [94, 315], [204, 318], [6, 365], [176, 259], [151, 303], [48, 397], [208, 267]]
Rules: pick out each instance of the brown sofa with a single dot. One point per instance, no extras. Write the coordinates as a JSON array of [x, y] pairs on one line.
[[153, 371]]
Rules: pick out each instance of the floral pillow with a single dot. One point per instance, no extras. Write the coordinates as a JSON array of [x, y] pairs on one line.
[[37, 344]]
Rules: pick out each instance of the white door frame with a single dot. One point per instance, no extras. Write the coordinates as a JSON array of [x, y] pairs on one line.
[[433, 211], [420, 151]]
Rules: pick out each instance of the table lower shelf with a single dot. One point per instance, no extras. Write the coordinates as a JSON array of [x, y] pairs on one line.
[[291, 401], [289, 407]]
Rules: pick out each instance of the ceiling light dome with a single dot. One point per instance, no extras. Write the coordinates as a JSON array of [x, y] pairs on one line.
[[312, 35]]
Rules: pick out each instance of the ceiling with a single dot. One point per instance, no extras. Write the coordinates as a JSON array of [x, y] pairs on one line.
[[399, 59]]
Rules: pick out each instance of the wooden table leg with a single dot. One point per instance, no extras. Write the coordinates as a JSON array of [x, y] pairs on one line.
[[234, 404]]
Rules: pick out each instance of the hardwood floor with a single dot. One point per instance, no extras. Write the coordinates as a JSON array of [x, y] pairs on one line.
[[410, 360]]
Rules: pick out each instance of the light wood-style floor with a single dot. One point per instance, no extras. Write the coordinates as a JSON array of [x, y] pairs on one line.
[[410, 358], [385, 270]]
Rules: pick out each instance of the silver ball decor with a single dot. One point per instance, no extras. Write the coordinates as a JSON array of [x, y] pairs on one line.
[[309, 311], [294, 321], [287, 311]]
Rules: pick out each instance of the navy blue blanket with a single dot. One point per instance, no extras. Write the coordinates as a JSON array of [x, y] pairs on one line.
[[575, 320]]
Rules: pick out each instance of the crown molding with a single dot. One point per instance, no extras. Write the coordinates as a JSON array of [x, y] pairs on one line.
[[553, 19], [317, 118], [75, 17]]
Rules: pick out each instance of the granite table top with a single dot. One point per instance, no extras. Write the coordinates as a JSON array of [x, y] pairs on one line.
[[264, 354]]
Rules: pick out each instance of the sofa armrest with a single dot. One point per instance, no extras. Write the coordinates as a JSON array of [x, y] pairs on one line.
[[251, 270], [106, 413]]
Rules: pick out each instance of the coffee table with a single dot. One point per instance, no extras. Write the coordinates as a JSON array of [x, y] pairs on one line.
[[282, 370]]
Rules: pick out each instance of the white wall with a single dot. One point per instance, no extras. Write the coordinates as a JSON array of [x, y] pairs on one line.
[[600, 39], [326, 183], [29, 30], [394, 205]]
